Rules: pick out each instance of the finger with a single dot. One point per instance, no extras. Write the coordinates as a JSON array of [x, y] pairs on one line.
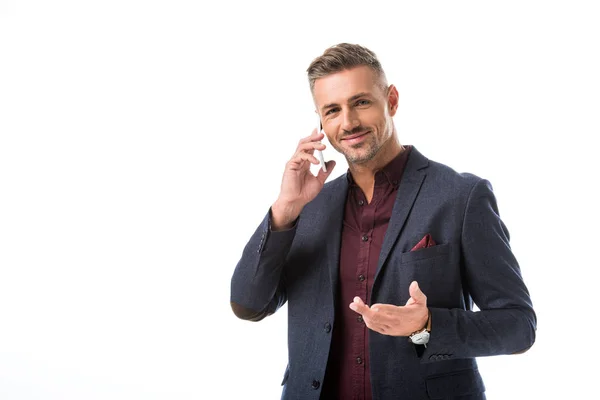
[[384, 330], [377, 317], [388, 309], [383, 314], [377, 321], [314, 137], [310, 147], [374, 319], [416, 294], [360, 307], [299, 158]]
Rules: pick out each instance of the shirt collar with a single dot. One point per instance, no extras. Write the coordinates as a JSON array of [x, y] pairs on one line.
[[391, 173]]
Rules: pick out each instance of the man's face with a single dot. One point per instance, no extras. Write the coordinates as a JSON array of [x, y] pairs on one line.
[[356, 112]]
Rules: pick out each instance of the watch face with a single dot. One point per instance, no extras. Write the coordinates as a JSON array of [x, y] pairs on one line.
[[420, 338]]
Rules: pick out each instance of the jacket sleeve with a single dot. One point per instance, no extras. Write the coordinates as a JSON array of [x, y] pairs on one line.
[[257, 287], [506, 322]]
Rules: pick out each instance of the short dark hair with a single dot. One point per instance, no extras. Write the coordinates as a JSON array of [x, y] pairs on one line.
[[341, 57]]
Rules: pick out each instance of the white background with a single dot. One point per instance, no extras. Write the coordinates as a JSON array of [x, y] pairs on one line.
[[143, 141]]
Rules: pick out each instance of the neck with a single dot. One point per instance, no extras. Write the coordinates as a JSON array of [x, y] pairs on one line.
[[364, 174]]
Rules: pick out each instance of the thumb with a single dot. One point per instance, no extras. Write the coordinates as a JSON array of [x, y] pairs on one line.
[[416, 294], [322, 176]]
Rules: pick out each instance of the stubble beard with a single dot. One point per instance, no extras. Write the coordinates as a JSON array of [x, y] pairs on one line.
[[363, 152]]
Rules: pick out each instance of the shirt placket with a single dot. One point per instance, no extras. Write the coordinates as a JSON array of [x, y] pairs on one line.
[[367, 214]]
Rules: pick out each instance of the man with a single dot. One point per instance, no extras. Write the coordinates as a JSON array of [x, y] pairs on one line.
[[381, 266]]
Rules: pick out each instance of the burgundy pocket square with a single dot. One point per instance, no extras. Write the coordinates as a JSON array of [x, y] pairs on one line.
[[427, 241]]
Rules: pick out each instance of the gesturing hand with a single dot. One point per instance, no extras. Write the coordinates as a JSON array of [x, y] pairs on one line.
[[393, 320]]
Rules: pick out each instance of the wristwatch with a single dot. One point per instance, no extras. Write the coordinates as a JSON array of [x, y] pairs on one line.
[[422, 336]]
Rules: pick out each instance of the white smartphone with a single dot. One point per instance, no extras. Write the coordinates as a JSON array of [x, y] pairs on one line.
[[319, 152]]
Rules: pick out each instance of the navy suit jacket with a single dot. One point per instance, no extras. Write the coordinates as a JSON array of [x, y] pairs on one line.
[[471, 263]]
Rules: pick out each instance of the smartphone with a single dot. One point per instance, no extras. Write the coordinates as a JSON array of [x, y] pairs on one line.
[[319, 152]]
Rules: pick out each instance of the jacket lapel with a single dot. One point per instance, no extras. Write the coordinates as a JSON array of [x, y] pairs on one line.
[[336, 203], [410, 184]]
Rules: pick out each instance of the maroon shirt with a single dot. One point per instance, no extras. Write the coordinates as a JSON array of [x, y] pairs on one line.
[[347, 375]]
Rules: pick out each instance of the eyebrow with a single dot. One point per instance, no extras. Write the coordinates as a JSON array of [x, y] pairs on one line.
[[350, 100]]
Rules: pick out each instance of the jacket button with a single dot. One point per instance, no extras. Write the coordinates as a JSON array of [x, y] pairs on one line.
[[316, 384], [327, 327]]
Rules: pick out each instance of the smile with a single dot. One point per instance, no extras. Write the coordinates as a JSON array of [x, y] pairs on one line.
[[354, 139]]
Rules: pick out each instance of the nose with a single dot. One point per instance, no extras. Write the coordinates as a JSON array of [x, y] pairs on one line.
[[349, 120]]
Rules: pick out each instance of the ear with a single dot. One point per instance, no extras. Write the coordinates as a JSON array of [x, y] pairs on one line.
[[392, 100], [318, 115]]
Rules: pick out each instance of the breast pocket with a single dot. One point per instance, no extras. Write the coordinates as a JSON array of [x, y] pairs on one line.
[[424, 254], [433, 269]]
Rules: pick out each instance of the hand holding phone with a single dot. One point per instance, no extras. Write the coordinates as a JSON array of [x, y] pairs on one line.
[[299, 186]]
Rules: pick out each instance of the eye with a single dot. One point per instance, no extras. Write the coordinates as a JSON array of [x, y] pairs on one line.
[[363, 102], [331, 111]]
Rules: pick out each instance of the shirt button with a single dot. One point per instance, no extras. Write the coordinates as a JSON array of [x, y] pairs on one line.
[[361, 277], [358, 360], [327, 327], [359, 318], [361, 202], [316, 384], [365, 238]]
